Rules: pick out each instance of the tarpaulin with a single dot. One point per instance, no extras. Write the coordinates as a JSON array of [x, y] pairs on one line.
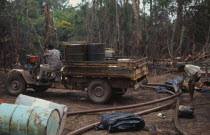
[[175, 81], [203, 91], [120, 122], [171, 82]]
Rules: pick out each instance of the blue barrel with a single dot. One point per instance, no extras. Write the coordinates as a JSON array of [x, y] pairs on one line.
[[28, 120], [6, 112], [36, 102]]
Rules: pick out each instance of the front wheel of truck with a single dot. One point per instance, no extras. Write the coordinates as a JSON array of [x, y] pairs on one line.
[[99, 91], [15, 84]]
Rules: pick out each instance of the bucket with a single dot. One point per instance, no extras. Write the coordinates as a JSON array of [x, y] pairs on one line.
[[28, 120], [109, 52], [36, 102]]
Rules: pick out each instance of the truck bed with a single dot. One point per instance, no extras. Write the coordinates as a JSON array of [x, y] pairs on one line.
[[132, 68]]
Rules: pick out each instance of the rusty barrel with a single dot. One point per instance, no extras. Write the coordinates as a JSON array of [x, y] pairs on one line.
[[75, 52], [95, 52], [28, 120], [37, 102]]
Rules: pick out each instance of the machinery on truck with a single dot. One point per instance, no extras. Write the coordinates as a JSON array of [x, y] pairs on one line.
[[205, 73], [91, 71]]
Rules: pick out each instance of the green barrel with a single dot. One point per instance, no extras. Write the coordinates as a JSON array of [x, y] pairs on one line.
[[75, 52], [36, 102], [96, 52], [28, 120]]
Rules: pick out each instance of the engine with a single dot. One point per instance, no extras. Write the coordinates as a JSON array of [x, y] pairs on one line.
[[32, 59], [32, 62]]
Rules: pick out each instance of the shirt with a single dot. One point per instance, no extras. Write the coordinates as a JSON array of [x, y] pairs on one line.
[[191, 70], [53, 58]]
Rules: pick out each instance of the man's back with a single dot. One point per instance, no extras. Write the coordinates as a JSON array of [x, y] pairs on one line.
[[53, 58], [191, 70]]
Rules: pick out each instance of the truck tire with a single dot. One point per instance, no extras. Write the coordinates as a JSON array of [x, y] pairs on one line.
[[99, 91], [40, 88], [15, 84]]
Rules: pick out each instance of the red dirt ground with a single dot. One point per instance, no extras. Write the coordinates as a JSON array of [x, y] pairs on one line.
[[78, 100]]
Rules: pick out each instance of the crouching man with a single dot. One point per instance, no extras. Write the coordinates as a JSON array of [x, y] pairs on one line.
[[192, 73], [53, 59]]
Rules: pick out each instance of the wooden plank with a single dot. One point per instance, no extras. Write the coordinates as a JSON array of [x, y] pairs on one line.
[[98, 75], [107, 65], [133, 70], [136, 62]]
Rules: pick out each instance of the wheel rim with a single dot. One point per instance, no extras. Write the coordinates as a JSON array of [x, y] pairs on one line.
[[98, 91], [15, 85]]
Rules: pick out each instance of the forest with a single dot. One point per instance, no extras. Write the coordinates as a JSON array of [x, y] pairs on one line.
[[150, 28], [56, 77]]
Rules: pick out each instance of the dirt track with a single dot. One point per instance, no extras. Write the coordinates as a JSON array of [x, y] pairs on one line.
[[78, 100]]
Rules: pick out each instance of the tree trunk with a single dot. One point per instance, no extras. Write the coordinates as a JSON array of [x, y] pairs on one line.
[[118, 27], [138, 28], [179, 23], [47, 25], [151, 11]]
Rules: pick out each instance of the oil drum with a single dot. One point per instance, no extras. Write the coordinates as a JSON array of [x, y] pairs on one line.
[[75, 52], [37, 102], [96, 52], [28, 120]]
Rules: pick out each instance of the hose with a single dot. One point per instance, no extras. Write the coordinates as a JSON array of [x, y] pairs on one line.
[[128, 106], [91, 126]]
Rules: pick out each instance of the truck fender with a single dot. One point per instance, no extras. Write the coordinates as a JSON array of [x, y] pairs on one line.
[[26, 75]]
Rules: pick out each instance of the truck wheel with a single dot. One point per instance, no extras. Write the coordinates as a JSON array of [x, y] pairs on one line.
[[15, 84], [99, 91], [40, 88]]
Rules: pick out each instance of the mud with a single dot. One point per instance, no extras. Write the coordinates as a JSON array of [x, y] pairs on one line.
[[78, 100]]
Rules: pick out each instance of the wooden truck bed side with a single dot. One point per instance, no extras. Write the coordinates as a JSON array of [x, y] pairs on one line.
[[132, 69]]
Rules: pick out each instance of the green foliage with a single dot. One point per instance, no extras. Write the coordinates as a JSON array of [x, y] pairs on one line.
[[99, 23]]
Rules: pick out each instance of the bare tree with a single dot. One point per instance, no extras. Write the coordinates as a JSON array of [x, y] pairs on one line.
[[47, 24], [137, 24]]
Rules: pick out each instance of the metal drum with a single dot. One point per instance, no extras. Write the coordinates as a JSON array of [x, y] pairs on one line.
[[109, 52], [36, 102], [75, 52], [28, 120], [96, 52]]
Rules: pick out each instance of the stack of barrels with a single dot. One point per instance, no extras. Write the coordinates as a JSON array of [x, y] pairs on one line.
[[84, 52], [32, 116], [28, 120]]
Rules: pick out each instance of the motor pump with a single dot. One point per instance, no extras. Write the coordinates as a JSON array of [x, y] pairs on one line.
[[32, 62], [32, 59]]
